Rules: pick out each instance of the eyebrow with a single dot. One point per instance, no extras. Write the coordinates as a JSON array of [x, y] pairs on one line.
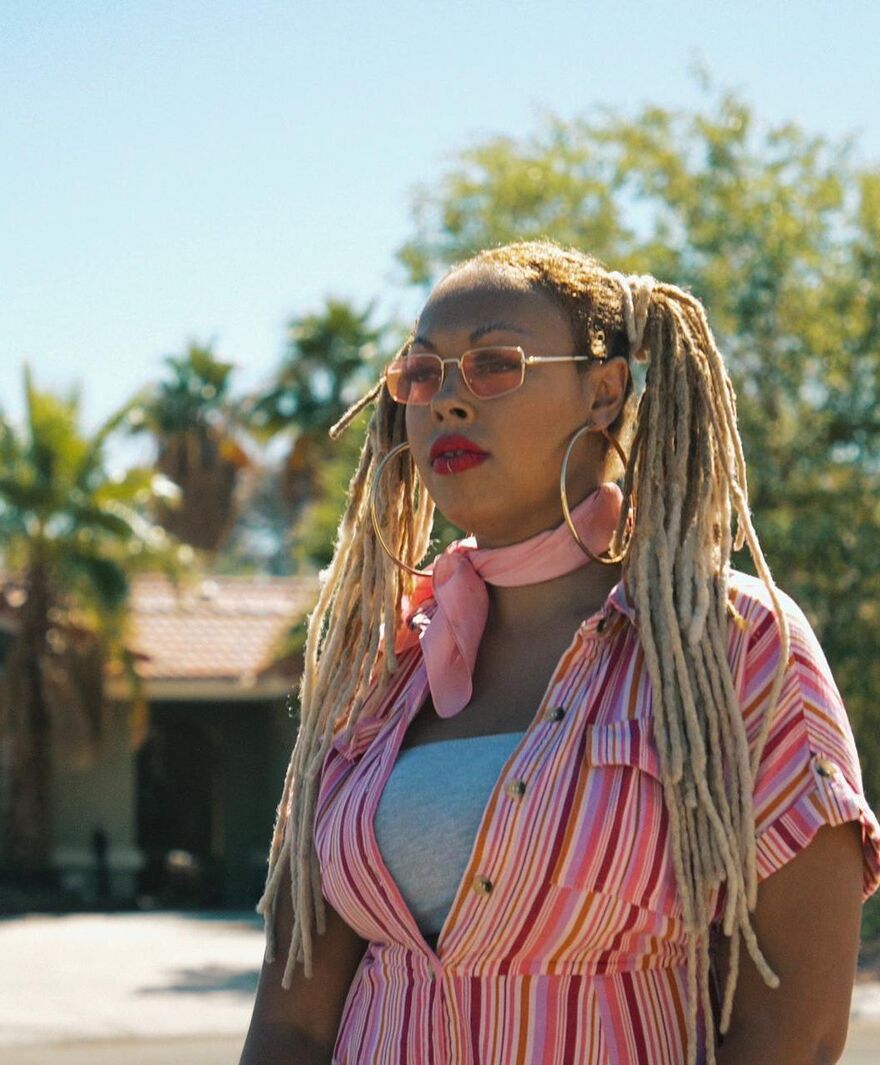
[[478, 333]]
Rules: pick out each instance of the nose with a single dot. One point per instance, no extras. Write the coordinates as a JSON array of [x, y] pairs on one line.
[[453, 401]]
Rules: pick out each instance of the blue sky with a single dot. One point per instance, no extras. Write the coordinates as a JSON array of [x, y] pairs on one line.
[[194, 170]]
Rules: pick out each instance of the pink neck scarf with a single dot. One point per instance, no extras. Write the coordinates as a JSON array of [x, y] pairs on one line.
[[458, 584]]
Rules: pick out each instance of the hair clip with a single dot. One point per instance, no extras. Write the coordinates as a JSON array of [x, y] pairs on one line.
[[598, 347], [636, 291]]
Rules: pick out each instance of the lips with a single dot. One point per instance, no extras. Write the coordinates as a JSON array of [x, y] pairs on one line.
[[452, 454], [449, 446]]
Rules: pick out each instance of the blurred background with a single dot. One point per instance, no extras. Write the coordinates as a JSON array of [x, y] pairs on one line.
[[217, 222]]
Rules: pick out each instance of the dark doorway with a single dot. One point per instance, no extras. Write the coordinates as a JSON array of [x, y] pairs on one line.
[[179, 811]]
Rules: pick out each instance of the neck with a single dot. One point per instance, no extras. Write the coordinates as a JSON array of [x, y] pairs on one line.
[[523, 610], [541, 518]]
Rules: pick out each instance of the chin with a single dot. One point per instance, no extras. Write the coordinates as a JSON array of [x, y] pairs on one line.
[[485, 523], [469, 518], [478, 508], [461, 519]]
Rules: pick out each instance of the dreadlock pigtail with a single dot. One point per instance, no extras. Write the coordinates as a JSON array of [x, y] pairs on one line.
[[349, 652], [686, 468], [738, 488], [336, 430]]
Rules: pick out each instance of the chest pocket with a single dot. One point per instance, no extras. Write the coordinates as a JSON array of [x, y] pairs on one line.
[[617, 837]]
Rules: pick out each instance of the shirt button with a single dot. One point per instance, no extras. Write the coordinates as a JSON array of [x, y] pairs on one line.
[[557, 713], [482, 884], [825, 767], [432, 975], [516, 789]]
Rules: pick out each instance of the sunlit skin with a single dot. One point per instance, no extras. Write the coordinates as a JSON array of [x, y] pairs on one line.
[[514, 494]]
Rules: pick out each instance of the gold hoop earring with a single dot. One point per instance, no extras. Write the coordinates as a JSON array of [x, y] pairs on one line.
[[563, 494], [374, 487]]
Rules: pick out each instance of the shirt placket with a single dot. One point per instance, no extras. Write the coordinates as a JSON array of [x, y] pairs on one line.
[[486, 882]]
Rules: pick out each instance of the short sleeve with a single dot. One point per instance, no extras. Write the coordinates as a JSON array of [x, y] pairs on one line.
[[809, 773]]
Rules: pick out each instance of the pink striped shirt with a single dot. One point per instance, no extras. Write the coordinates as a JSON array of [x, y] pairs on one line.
[[564, 943]]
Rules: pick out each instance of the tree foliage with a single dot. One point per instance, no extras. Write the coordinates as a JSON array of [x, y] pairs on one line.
[[326, 365], [331, 358], [778, 232]]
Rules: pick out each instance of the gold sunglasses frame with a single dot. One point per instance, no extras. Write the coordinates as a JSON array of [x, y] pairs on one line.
[[525, 360]]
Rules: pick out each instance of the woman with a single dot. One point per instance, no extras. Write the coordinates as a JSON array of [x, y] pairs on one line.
[[545, 791]]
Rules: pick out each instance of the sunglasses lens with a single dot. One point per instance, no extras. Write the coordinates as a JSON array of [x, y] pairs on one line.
[[492, 371], [413, 378]]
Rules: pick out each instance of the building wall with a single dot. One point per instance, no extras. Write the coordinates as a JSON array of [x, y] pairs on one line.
[[101, 796], [221, 769]]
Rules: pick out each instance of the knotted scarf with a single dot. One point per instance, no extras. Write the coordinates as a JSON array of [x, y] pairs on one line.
[[458, 585]]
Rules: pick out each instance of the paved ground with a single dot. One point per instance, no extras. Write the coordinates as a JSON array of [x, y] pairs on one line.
[[155, 1052], [127, 976], [171, 989], [861, 1051]]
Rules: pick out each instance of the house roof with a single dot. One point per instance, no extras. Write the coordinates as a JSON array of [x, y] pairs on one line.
[[223, 631], [217, 627]]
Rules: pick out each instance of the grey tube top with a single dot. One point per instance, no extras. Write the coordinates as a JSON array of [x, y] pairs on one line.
[[428, 816]]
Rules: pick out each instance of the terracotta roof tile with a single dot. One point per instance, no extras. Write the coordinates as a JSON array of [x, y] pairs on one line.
[[218, 628]]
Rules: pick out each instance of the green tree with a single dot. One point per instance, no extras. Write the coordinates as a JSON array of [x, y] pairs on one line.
[[70, 534], [778, 233]]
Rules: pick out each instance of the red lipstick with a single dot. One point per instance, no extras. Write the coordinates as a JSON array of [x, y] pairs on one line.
[[453, 454]]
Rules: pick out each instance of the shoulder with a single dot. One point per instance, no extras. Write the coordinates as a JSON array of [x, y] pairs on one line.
[[808, 716], [809, 691], [773, 629], [808, 774], [809, 737], [754, 602]]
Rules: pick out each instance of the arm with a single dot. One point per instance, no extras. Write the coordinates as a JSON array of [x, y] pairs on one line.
[[300, 1025], [807, 924]]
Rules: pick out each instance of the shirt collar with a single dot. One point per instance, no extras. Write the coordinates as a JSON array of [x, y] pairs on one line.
[[617, 598], [366, 729], [616, 601]]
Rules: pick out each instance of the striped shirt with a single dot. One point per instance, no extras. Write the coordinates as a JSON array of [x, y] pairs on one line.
[[565, 940]]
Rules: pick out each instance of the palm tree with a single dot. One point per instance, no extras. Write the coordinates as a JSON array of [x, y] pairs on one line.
[[194, 423], [331, 359], [70, 534]]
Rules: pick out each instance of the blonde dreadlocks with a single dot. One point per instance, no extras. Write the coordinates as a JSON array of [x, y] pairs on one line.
[[685, 477]]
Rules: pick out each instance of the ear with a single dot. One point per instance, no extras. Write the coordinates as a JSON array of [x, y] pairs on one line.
[[608, 382]]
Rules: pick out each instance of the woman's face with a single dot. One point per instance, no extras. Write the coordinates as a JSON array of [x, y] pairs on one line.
[[514, 492]]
